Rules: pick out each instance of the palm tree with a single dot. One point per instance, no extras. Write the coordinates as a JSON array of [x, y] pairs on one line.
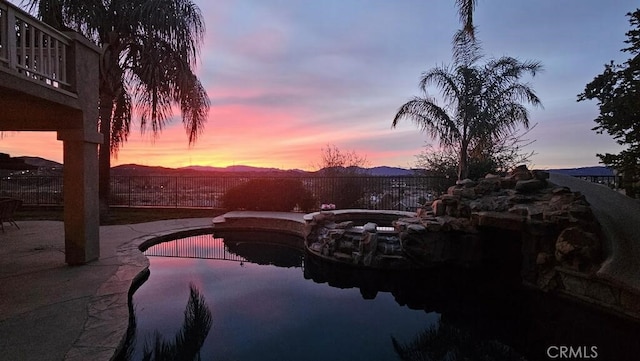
[[149, 49], [483, 103], [465, 12]]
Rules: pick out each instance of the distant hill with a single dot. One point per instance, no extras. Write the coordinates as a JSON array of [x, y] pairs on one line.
[[389, 171], [142, 170], [231, 168], [40, 162], [600, 171]]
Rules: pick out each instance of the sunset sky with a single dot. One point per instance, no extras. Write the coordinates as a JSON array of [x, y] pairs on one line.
[[288, 77]]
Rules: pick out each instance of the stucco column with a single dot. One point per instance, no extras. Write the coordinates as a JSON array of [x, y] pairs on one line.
[[80, 147], [81, 206]]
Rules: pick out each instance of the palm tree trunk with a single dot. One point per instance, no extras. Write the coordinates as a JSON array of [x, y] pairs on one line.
[[463, 164], [104, 155]]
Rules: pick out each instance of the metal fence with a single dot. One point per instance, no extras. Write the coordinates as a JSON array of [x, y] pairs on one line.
[[33, 190], [404, 193], [381, 192], [610, 181], [369, 192], [203, 246]]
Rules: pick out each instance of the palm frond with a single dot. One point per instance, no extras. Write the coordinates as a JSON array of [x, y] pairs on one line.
[[177, 22], [444, 79], [467, 50], [162, 79], [120, 122], [430, 118], [465, 12]]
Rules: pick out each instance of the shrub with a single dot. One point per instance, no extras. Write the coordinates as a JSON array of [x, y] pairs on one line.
[[344, 192], [269, 195]]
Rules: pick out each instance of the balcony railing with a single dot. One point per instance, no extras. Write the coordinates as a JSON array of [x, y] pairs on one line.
[[32, 48]]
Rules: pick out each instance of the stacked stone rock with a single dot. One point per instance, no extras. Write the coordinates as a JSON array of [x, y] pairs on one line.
[[556, 225], [363, 246]]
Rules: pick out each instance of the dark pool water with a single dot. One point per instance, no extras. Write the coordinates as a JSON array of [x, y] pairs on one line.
[[268, 302]]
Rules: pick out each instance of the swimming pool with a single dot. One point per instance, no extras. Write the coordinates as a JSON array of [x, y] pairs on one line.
[[270, 301]]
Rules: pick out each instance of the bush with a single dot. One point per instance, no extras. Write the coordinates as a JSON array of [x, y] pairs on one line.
[[347, 192], [269, 195]]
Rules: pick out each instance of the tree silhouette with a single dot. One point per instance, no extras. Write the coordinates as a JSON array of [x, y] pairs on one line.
[[617, 91], [188, 341], [448, 343], [149, 49], [483, 103]]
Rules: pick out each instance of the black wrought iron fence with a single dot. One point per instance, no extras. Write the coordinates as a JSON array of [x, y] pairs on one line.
[[402, 193], [611, 181], [207, 191], [368, 192], [33, 190]]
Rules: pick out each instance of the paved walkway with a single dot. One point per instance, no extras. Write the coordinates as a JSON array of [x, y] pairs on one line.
[[50, 311], [619, 217]]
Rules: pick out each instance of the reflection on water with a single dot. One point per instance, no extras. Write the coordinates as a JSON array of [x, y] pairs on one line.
[[446, 342], [187, 342], [265, 308]]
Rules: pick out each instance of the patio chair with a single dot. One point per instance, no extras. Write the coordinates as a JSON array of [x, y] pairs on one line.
[[8, 206]]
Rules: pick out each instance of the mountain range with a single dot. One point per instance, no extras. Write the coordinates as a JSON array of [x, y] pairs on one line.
[[135, 169], [141, 170]]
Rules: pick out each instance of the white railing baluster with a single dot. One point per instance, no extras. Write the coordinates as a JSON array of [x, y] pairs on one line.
[[31, 47], [22, 57]]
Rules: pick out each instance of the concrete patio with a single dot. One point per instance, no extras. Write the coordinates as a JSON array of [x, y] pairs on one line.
[[52, 311]]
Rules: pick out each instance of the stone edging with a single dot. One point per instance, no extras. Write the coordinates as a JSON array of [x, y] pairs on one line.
[[105, 330]]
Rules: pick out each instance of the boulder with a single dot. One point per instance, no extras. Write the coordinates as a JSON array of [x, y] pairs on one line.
[[507, 183], [540, 174], [438, 207], [520, 172], [520, 210], [577, 248], [324, 217], [434, 225], [580, 211], [370, 227], [466, 183], [468, 193], [453, 189], [449, 199], [506, 221], [561, 190], [486, 186], [344, 225], [416, 228], [529, 185]]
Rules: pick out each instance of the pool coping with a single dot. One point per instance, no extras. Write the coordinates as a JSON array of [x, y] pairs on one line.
[[105, 332]]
